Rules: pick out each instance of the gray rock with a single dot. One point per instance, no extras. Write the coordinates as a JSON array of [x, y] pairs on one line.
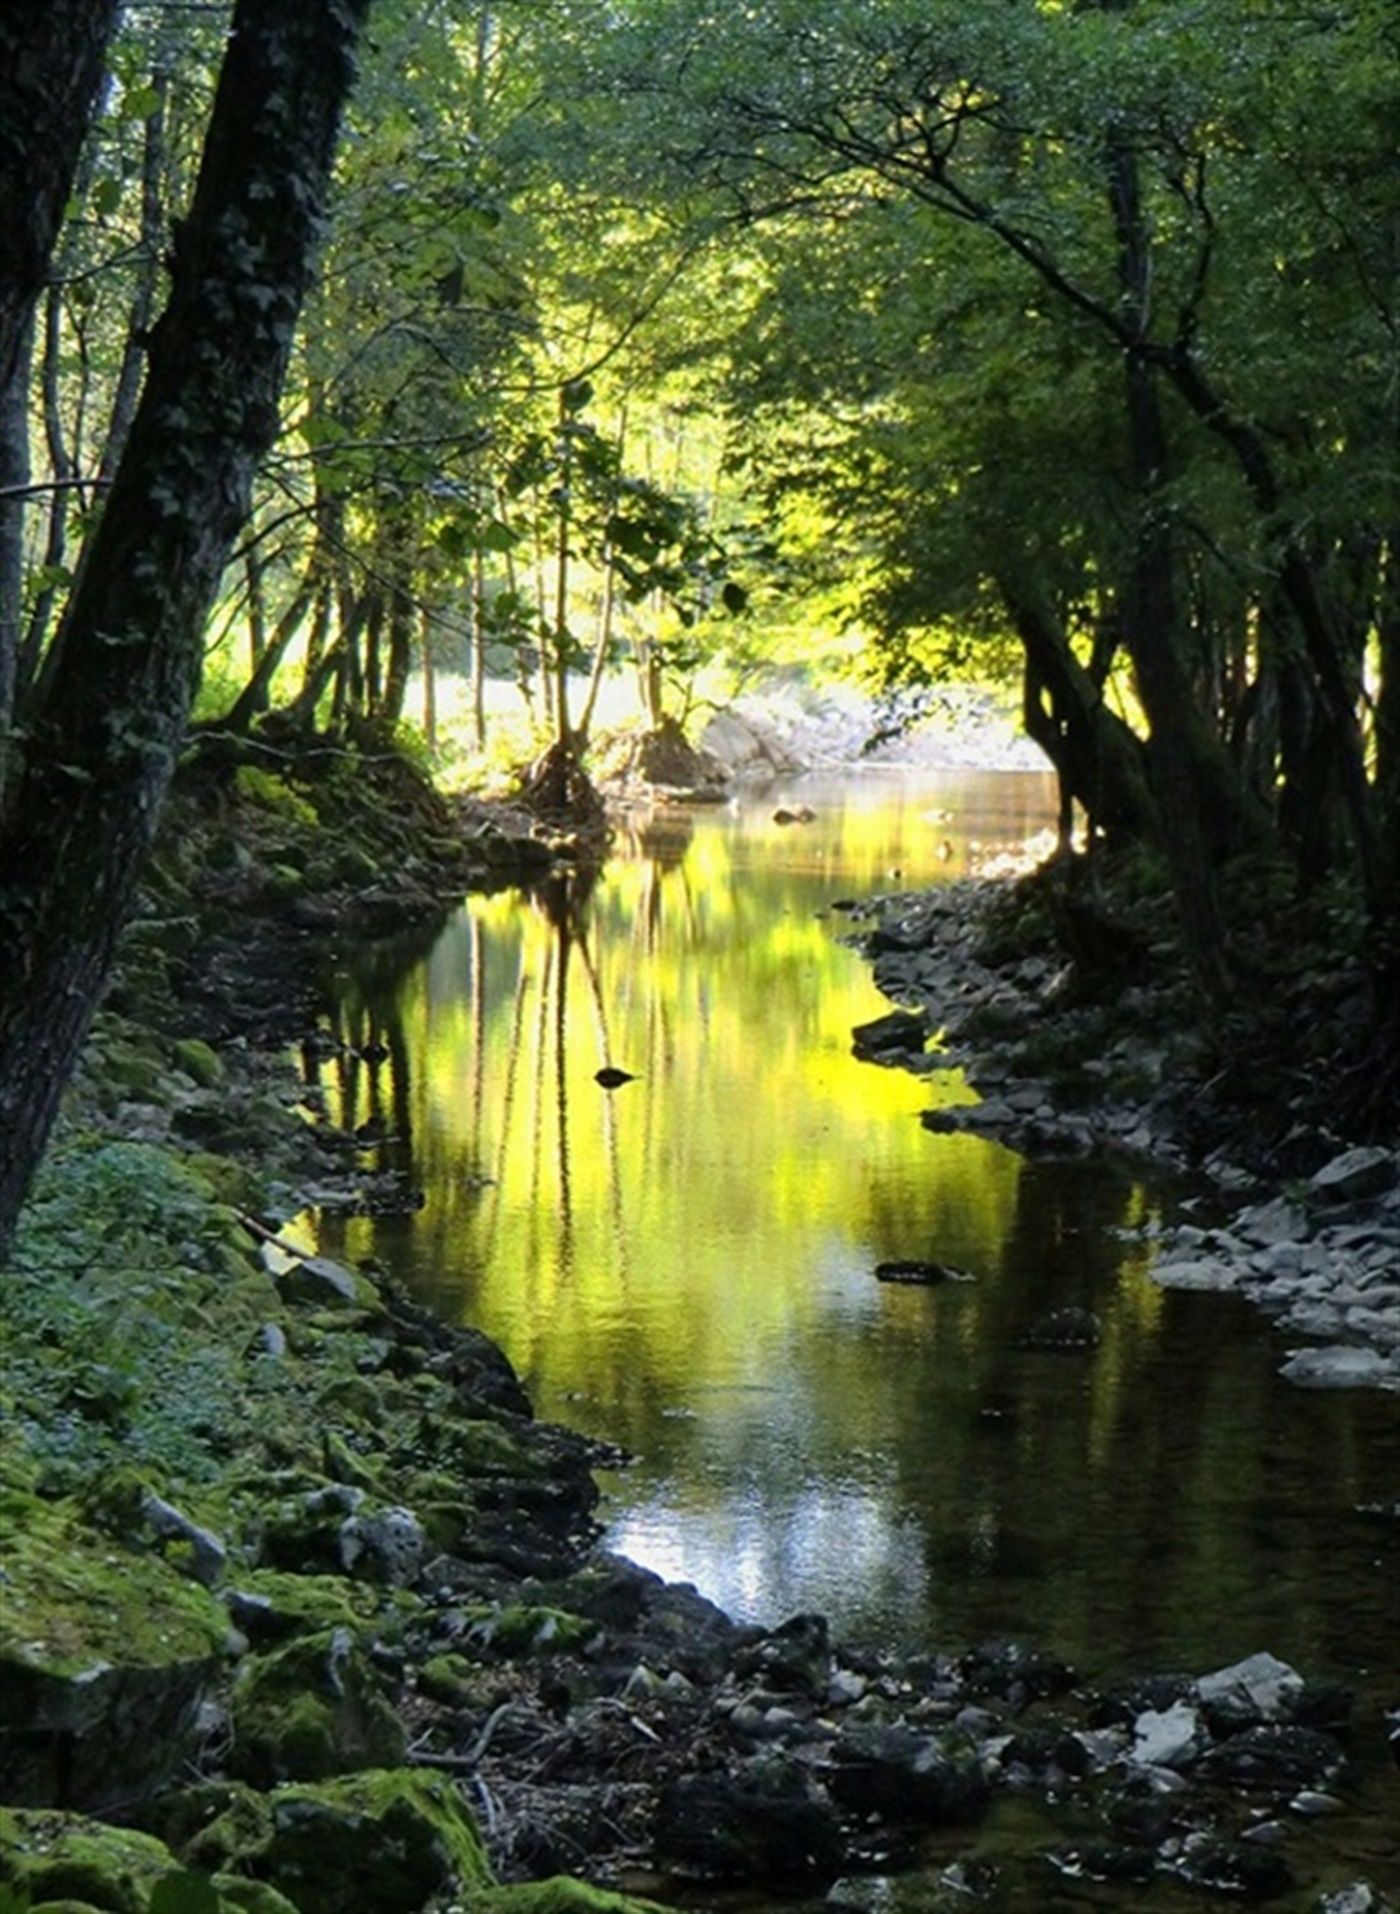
[[1365, 1171], [1167, 1737], [1337, 1368], [1196, 1272], [1357, 1897], [387, 1546], [207, 1553], [1267, 1224], [1259, 1688]]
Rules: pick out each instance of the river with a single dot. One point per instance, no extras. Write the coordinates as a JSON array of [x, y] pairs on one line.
[[684, 1265]]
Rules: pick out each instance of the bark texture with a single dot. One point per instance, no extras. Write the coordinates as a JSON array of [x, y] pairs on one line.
[[116, 691], [51, 60]]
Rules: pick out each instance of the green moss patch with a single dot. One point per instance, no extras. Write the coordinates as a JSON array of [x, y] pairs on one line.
[[312, 1709], [104, 1654], [64, 1862], [559, 1895], [380, 1843]]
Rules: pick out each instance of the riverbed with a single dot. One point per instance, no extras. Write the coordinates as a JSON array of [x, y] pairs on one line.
[[684, 1264]]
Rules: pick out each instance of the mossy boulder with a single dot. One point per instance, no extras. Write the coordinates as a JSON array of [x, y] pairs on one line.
[[269, 1608], [105, 1654], [561, 1894], [66, 1862], [199, 1061], [516, 1629], [313, 1709], [450, 1679], [219, 1827], [381, 1842]]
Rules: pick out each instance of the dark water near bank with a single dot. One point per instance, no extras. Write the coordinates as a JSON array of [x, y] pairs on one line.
[[685, 1267]]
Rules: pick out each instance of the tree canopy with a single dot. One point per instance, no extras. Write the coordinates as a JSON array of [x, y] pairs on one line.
[[1050, 341]]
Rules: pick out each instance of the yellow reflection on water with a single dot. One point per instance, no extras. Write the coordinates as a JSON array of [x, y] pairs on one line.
[[749, 1165], [684, 1264]]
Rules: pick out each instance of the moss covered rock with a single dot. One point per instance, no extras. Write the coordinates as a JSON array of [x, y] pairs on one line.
[[380, 1843], [66, 1862], [105, 1654], [561, 1894], [516, 1629], [218, 1827], [313, 1709]]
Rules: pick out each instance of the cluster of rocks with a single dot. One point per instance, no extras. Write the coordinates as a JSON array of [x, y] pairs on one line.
[[380, 1660], [399, 1673], [672, 1746], [1062, 1077], [1324, 1261], [787, 726]]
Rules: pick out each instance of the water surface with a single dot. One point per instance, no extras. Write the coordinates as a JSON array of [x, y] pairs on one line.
[[685, 1266]]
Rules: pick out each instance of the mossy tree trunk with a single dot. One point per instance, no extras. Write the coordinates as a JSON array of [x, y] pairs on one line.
[[117, 687]]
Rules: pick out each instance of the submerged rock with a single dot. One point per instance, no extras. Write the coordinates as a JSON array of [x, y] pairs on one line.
[[1065, 1330], [764, 1820]]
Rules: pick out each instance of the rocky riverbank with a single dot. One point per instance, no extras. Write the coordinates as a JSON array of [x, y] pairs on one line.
[[1275, 1203], [304, 1611]]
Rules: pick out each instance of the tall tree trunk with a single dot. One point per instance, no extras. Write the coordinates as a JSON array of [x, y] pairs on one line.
[[51, 60], [1317, 622], [1098, 759], [1191, 773], [121, 676]]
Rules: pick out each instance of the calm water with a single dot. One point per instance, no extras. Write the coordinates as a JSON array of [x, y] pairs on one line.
[[685, 1267]]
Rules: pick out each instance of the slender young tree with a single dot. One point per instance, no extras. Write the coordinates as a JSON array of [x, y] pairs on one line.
[[50, 67], [119, 681]]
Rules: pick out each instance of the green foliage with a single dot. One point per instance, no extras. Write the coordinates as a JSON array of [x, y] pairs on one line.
[[274, 794], [96, 1366]]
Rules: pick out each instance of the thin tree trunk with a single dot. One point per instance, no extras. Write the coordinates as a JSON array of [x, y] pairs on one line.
[[14, 485], [425, 645], [153, 156], [478, 653]]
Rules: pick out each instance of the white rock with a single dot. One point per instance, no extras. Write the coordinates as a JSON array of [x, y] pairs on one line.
[[1336, 1368], [1363, 1171], [1260, 1682], [1166, 1737], [1200, 1272]]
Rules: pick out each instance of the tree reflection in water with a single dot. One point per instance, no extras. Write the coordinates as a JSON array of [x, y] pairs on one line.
[[685, 1267]]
